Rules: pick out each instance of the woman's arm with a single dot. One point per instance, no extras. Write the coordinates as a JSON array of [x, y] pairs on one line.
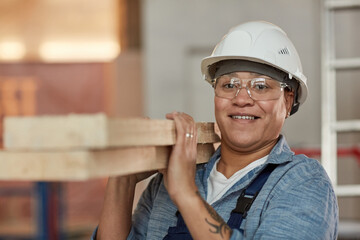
[[115, 220], [201, 219]]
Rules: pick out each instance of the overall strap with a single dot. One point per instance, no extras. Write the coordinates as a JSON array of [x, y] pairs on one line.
[[180, 231], [248, 196], [244, 202]]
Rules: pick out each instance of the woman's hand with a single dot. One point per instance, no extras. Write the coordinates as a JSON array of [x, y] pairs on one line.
[[179, 177]]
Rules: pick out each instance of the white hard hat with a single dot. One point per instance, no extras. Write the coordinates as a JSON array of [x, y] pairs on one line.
[[259, 42]]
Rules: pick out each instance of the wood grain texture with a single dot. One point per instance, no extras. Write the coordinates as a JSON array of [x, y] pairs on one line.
[[93, 131], [86, 164]]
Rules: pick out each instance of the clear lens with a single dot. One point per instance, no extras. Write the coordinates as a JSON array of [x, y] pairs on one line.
[[258, 88]]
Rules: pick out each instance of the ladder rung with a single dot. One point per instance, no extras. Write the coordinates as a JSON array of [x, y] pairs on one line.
[[337, 4], [347, 190], [346, 125], [345, 63], [349, 228]]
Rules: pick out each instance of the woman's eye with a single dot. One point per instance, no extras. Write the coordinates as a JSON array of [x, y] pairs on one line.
[[228, 85], [260, 86]]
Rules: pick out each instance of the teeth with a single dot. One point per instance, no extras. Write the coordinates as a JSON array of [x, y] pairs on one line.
[[244, 117]]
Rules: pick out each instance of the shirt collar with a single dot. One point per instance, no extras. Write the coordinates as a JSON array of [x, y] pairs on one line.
[[281, 153]]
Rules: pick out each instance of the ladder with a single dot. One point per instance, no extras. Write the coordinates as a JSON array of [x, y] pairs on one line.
[[330, 64]]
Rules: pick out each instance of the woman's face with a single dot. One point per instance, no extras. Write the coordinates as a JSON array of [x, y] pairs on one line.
[[264, 122]]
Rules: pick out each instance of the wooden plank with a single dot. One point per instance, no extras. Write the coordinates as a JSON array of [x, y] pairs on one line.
[[87, 164], [93, 131], [55, 132]]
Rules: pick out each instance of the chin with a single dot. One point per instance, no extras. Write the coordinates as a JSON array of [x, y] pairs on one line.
[[243, 142]]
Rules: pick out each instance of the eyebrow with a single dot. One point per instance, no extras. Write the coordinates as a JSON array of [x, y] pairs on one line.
[[257, 74], [251, 73]]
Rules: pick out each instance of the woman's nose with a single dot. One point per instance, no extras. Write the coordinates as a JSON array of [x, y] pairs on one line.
[[242, 96]]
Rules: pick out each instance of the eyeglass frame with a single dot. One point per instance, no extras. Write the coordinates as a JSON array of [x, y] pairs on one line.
[[239, 86]]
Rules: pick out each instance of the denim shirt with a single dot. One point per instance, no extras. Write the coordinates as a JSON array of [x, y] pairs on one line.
[[296, 202]]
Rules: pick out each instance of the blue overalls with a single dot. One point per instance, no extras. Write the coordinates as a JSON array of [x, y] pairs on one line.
[[243, 204]]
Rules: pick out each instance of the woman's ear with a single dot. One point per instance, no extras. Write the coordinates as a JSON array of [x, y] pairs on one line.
[[289, 100]]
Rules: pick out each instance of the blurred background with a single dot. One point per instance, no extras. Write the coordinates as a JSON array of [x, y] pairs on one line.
[[135, 58]]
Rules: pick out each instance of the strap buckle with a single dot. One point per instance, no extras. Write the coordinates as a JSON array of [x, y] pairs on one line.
[[244, 203]]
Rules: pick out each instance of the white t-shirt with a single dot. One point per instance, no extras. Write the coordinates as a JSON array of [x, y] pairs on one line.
[[218, 184]]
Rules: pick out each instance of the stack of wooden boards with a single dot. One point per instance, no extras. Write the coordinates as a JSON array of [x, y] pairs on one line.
[[80, 147]]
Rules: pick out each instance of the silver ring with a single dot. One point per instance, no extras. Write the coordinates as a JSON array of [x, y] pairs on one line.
[[189, 135]]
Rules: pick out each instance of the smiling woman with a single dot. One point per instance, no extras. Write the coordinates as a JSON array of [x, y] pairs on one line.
[[262, 124], [253, 187]]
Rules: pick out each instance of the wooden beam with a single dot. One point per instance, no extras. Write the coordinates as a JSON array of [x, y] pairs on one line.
[[87, 164], [93, 131], [80, 147]]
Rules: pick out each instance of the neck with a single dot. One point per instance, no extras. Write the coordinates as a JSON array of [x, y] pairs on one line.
[[233, 160]]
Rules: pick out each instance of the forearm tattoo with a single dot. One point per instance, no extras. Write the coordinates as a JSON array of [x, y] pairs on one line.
[[217, 224]]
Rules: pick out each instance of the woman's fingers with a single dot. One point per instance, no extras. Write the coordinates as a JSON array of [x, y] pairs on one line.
[[185, 127], [180, 174]]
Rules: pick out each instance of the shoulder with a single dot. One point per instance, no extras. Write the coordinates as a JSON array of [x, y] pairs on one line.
[[295, 168], [302, 176], [303, 168], [300, 193]]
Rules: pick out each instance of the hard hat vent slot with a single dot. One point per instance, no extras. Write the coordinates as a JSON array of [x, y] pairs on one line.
[[284, 51]]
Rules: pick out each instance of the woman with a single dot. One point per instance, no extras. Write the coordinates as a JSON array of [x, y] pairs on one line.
[[253, 187]]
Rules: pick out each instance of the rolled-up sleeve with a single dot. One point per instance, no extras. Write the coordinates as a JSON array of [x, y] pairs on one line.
[[143, 209]]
